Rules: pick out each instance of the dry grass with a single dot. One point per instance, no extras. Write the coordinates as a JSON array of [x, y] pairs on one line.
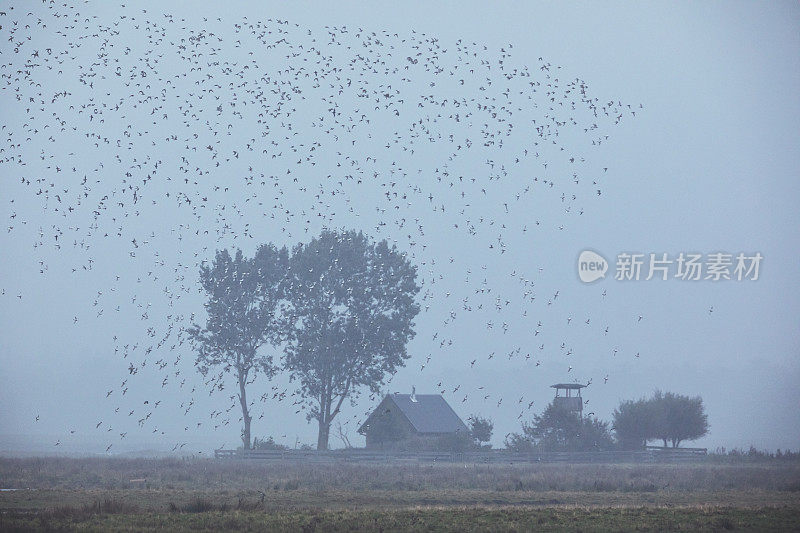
[[207, 495], [111, 473], [428, 519], [98, 507]]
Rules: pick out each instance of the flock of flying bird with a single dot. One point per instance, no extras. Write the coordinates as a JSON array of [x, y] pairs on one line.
[[136, 144]]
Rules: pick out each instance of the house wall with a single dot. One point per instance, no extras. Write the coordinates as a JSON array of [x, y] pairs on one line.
[[376, 441], [415, 442], [573, 403]]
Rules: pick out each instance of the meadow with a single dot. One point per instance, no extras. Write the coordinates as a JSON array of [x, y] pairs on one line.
[[96, 494]]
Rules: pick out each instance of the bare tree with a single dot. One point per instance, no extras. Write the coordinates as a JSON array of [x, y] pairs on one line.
[[343, 435]]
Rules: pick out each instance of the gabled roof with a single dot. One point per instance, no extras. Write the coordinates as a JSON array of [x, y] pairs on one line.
[[430, 413]]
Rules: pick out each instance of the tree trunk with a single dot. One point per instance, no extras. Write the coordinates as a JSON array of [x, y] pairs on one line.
[[245, 412], [322, 438]]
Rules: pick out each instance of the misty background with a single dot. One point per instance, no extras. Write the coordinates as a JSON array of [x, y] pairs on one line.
[[708, 163]]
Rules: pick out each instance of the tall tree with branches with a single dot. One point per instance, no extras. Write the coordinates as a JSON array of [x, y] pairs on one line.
[[243, 316], [352, 306]]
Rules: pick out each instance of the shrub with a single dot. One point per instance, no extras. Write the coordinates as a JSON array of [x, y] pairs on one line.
[[559, 429], [268, 444]]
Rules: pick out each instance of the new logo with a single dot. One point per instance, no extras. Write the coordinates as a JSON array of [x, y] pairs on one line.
[[591, 266]]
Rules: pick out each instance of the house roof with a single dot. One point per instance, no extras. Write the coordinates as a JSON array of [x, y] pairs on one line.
[[430, 413]]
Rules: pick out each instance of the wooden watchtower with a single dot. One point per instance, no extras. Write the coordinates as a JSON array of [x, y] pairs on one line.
[[568, 396]]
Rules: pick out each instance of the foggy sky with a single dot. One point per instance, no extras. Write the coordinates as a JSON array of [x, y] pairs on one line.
[[709, 163]]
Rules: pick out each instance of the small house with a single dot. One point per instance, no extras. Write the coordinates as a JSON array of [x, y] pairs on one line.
[[405, 416]]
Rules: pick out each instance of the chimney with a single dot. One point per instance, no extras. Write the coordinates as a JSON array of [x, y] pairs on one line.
[[413, 394]]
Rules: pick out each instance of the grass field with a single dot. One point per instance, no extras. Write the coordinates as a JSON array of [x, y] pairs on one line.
[[143, 494]]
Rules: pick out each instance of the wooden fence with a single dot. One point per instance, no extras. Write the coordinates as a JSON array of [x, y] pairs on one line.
[[360, 455]]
